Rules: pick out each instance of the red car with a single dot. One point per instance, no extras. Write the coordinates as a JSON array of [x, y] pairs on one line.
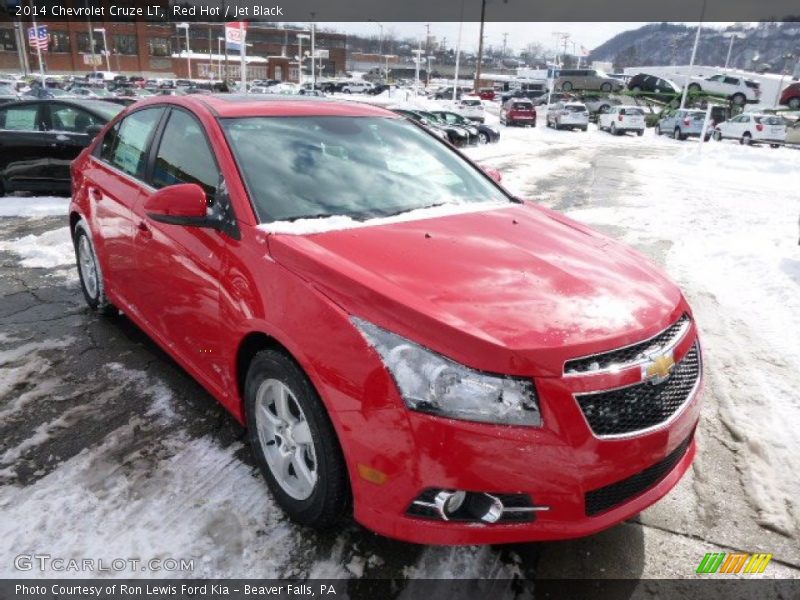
[[790, 96], [404, 340], [487, 93], [518, 111]]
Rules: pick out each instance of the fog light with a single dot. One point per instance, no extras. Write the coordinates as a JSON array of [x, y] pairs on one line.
[[448, 503]]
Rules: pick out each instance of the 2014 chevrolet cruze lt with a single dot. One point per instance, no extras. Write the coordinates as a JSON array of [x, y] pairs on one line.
[[401, 337]]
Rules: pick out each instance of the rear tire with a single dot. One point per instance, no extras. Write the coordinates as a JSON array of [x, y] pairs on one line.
[[294, 442], [483, 138], [657, 129], [636, 89], [717, 135], [694, 87], [640, 132], [747, 139], [613, 130], [566, 86], [794, 103], [606, 87], [678, 135], [89, 271], [739, 99]]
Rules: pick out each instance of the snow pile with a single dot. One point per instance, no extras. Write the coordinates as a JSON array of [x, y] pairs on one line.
[[49, 250], [339, 223], [45, 206], [731, 214]]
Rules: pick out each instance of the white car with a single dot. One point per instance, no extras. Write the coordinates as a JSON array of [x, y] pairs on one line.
[[470, 108], [750, 128], [568, 115], [738, 89], [620, 119], [357, 87]]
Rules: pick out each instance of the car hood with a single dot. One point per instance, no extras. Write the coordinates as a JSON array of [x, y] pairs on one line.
[[514, 290]]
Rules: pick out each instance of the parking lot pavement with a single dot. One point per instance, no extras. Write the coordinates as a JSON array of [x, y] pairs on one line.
[[108, 449]]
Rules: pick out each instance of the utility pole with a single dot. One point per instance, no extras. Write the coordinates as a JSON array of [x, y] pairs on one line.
[[694, 52], [91, 35], [427, 39], [505, 42], [458, 52], [313, 53], [480, 47]]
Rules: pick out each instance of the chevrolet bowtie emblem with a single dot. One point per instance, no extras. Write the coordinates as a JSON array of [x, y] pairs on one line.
[[658, 368]]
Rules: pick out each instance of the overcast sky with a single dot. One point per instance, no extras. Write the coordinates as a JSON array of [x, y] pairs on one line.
[[520, 35]]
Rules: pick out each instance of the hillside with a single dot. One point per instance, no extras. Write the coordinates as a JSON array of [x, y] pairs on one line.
[[764, 46]]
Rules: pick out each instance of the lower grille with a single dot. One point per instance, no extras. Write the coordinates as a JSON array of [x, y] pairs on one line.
[[642, 405], [606, 498]]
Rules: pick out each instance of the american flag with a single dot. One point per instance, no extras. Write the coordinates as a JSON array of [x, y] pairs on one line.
[[38, 39]]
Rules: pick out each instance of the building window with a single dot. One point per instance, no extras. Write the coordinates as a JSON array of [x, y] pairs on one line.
[[125, 44], [8, 41], [279, 72], [83, 42], [59, 41], [294, 74], [160, 46]]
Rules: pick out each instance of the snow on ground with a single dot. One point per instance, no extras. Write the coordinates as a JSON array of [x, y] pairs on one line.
[[48, 250], [730, 216], [44, 206]]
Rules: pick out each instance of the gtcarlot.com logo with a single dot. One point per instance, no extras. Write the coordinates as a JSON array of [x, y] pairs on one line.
[[47, 562], [734, 563]]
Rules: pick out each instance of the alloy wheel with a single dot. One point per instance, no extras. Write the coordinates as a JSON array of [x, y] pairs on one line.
[[285, 438]]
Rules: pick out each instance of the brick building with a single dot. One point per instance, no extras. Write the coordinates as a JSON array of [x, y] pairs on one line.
[[155, 49]]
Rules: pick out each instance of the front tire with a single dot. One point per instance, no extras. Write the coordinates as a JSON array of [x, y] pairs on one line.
[[794, 103], [483, 138], [89, 271], [294, 442], [606, 87], [566, 86]]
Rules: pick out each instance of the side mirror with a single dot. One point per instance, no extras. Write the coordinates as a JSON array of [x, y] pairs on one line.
[[180, 204], [493, 173]]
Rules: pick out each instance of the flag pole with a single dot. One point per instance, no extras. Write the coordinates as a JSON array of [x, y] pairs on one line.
[[243, 68], [38, 46]]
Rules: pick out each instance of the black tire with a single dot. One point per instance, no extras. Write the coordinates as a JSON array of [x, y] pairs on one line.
[[747, 139], [657, 129], [605, 87], [330, 499], [95, 295], [794, 103], [613, 129], [774, 145], [585, 128], [738, 99], [694, 87], [347, 91], [636, 89], [678, 135], [640, 133], [566, 86], [717, 135], [483, 138]]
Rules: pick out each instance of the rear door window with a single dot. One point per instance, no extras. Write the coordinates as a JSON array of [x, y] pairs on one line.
[[20, 118], [129, 152]]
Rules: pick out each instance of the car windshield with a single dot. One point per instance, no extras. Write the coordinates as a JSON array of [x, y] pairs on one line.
[[360, 167]]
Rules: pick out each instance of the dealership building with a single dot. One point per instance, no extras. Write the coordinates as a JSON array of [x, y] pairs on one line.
[[156, 49]]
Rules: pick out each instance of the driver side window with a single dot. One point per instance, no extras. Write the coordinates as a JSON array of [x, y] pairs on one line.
[[184, 156]]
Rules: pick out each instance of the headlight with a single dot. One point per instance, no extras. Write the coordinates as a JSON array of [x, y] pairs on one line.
[[431, 383]]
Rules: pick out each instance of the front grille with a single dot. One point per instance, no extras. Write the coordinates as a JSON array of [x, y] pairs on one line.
[[627, 355], [606, 498], [642, 405]]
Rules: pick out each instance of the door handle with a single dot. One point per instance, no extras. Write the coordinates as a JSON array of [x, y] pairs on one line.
[[95, 193], [144, 230]]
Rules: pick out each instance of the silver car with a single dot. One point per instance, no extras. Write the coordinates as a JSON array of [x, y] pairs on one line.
[[683, 123], [586, 79]]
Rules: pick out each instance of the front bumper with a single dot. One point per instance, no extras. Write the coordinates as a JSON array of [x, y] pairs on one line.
[[562, 466]]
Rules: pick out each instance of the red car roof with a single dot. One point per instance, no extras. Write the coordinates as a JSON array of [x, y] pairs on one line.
[[262, 105]]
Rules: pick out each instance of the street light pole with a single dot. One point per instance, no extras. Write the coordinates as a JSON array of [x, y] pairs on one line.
[[220, 39], [313, 54], [188, 50], [458, 52], [733, 35], [480, 47], [102, 30], [300, 38], [694, 53]]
